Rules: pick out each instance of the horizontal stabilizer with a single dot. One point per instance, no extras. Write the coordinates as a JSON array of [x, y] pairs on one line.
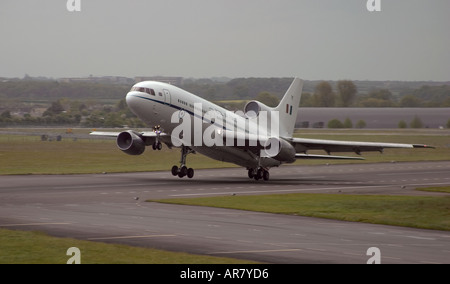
[[324, 157]]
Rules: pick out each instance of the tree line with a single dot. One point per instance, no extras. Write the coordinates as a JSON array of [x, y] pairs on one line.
[[343, 93], [92, 104], [416, 122], [346, 95], [77, 113]]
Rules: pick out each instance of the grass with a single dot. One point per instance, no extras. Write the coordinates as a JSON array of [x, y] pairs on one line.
[[30, 155], [445, 189], [428, 212], [27, 154], [27, 247]]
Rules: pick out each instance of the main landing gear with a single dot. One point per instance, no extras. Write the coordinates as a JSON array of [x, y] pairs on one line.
[[183, 171], [259, 173]]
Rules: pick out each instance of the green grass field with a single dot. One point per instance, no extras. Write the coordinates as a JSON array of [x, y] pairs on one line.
[[27, 247], [427, 212], [26, 154], [30, 155], [445, 189]]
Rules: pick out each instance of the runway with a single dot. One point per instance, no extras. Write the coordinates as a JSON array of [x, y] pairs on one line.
[[112, 208]]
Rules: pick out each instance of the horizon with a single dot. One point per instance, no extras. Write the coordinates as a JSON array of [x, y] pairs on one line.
[[39, 77]]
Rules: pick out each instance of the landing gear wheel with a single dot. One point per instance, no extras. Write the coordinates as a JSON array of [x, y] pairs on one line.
[[251, 173], [183, 172], [157, 146], [190, 173], [266, 175], [174, 170], [259, 174]]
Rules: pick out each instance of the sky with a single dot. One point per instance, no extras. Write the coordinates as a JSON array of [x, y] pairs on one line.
[[408, 40]]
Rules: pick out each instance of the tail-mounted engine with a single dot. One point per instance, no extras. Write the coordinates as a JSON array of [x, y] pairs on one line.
[[253, 108]]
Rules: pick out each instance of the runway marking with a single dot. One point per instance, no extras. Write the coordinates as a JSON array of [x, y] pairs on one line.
[[391, 257], [130, 237], [255, 251], [32, 224], [98, 186], [416, 237], [213, 238]]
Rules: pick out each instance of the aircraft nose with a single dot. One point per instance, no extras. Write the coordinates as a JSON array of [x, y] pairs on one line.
[[132, 100]]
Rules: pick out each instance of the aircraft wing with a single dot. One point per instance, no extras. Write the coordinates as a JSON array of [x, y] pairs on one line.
[[148, 136], [107, 134], [302, 145], [326, 157]]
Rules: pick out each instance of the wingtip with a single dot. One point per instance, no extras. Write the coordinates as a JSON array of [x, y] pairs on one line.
[[423, 146]]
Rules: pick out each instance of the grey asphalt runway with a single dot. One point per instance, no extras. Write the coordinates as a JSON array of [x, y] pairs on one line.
[[112, 208]]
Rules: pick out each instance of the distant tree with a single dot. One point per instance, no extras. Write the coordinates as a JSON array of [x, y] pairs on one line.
[[416, 122], [113, 120], [323, 95], [402, 124], [347, 91], [335, 123], [410, 101], [6, 115], [348, 123], [361, 124], [268, 99], [121, 105], [55, 108], [446, 103], [306, 100], [240, 92], [374, 102], [381, 94], [433, 96], [378, 98], [448, 124]]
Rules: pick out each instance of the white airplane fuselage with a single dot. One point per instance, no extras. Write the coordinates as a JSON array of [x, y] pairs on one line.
[[155, 103]]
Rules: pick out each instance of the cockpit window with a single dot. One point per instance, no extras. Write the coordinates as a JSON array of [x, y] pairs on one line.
[[144, 90]]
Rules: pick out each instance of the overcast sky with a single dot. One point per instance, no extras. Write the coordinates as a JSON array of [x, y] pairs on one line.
[[313, 39]]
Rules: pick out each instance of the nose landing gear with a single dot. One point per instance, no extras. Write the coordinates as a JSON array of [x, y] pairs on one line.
[[157, 144]]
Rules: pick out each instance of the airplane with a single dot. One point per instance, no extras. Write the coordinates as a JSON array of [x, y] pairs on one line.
[[257, 139]]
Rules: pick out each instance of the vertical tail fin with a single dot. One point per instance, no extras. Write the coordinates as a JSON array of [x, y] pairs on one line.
[[288, 108]]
